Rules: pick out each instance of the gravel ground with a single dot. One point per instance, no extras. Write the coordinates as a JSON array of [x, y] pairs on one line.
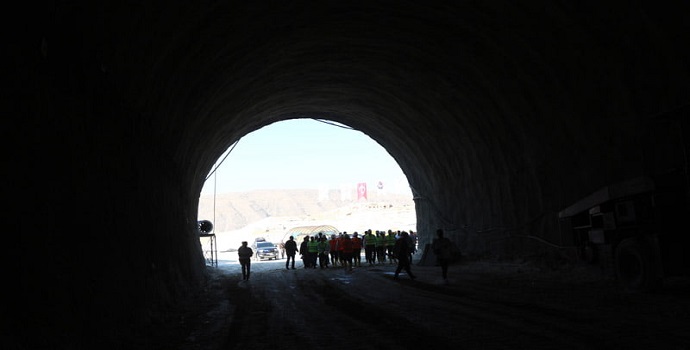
[[485, 305]]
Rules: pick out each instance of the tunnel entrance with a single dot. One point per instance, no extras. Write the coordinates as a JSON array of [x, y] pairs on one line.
[[304, 172]]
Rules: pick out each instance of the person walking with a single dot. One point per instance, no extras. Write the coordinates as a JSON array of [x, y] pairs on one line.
[[290, 252], [323, 248], [333, 250], [356, 250], [312, 248], [381, 247], [245, 256], [346, 252], [304, 252], [370, 247], [441, 246], [339, 248], [402, 251], [413, 243], [390, 244]]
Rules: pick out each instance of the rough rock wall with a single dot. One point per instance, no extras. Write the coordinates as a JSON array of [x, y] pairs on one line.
[[499, 114]]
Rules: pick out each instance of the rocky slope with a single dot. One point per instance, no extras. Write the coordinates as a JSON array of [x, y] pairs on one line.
[[271, 213]]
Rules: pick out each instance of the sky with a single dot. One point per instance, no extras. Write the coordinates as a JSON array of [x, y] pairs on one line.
[[306, 154]]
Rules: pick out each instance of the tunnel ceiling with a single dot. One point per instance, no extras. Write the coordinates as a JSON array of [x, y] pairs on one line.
[[500, 114], [479, 101]]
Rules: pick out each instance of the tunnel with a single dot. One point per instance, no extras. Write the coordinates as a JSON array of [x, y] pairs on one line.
[[500, 114]]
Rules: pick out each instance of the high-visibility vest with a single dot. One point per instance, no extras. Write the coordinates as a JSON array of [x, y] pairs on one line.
[[390, 240], [312, 246], [322, 247], [369, 239]]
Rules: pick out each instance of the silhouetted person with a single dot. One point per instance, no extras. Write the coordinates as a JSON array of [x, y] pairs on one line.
[[333, 250], [402, 250], [441, 246], [356, 250], [370, 247], [381, 247], [346, 243], [390, 244], [412, 237], [304, 252], [290, 251], [323, 248], [312, 247], [245, 254]]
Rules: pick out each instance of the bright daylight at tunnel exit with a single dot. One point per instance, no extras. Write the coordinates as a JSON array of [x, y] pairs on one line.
[[303, 173]]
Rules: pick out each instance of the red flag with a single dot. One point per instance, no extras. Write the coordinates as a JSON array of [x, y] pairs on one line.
[[361, 190]]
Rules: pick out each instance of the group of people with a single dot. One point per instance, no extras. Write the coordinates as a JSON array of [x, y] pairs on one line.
[[345, 251], [379, 246]]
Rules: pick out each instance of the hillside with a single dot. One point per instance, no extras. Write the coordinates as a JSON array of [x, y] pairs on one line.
[[270, 213]]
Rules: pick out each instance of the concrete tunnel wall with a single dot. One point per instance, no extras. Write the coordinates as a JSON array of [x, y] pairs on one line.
[[499, 115]]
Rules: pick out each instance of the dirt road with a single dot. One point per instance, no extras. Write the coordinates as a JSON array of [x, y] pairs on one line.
[[485, 306]]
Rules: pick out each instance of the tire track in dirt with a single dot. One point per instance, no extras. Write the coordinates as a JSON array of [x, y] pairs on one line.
[[367, 309]]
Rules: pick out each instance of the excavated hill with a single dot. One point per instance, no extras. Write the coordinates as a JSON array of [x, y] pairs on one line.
[[271, 213]]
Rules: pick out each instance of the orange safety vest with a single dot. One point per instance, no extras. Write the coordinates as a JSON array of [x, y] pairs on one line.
[[356, 243], [347, 245]]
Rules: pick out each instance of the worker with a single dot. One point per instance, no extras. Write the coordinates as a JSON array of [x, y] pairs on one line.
[[356, 250], [390, 243], [313, 249], [369, 247], [322, 249], [333, 252], [380, 247], [244, 253], [346, 252]]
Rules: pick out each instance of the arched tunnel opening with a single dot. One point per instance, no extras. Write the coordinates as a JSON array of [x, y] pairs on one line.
[[304, 172], [523, 129]]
